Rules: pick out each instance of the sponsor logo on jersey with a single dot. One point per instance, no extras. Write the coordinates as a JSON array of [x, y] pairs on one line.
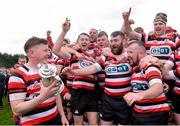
[[158, 51], [84, 63], [117, 69], [139, 86]]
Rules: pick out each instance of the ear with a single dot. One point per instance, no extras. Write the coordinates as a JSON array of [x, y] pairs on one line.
[[141, 53], [31, 52]]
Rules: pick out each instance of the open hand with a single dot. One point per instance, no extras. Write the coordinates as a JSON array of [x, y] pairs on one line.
[[149, 59], [49, 91]]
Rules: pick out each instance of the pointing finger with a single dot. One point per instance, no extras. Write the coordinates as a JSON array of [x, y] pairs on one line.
[[129, 11], [67, 20]]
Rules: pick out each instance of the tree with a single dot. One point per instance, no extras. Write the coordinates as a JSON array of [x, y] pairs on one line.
[[8, 60]]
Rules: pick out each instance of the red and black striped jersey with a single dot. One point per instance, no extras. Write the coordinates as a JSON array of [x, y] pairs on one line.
[[161, 47], [86, 82], [117, 76], [94, 53], [24, 84], [50, 42], [56, 60], [142, 80], [101, 78], [174, 63]]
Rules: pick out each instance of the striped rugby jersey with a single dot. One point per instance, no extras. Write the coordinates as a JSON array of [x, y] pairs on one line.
[[86, 82], [101, 78], [161, 47], [24, 84], [174, 62], [117, 76], [142, 80]]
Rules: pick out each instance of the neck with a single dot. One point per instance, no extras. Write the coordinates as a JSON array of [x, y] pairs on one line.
[[162, 34], [141, 56], [33, 64]]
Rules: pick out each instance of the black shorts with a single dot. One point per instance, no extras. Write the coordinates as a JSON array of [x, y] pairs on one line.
[[115, 109], [171, 84], [99, 92], [158, 118], [66, 104], [83, 100], [176, 102]]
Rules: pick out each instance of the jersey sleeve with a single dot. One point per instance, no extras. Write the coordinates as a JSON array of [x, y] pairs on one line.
[[16, 86], [153, 75], [100, 64]]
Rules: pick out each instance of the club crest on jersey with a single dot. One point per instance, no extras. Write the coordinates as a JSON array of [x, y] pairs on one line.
[[84, 63], [117, 68], [158, 51]]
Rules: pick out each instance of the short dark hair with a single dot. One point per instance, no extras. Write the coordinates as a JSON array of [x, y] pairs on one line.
[[33, 42], [93, 29], [102, 33], [22, 56], [139, 30], [66, 41], [82, 34], [116, 33]]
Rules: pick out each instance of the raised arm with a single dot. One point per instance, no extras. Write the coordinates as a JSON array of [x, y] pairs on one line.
[[59, 42], [131, 21], [50, 42], [127, 27]]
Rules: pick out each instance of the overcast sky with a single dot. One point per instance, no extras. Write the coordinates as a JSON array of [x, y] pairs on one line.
[[22, 19]]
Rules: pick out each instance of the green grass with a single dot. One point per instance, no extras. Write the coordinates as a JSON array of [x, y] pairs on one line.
[[6, 114]]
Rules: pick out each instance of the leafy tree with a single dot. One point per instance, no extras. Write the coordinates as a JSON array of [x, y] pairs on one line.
[[8, 60]]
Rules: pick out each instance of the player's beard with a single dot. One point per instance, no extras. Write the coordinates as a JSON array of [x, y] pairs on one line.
[[117, 51]]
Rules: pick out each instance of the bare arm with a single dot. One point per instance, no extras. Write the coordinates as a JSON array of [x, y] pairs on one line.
[[83, 71], [165, 71], [154, 91], [66, 53], [155, 87], [131, 21], [127, 28], [61, 110], [20, 107], [59, 42], [155, 83]]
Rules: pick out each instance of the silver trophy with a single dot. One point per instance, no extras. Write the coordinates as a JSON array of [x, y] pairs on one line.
[[48, 73]]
